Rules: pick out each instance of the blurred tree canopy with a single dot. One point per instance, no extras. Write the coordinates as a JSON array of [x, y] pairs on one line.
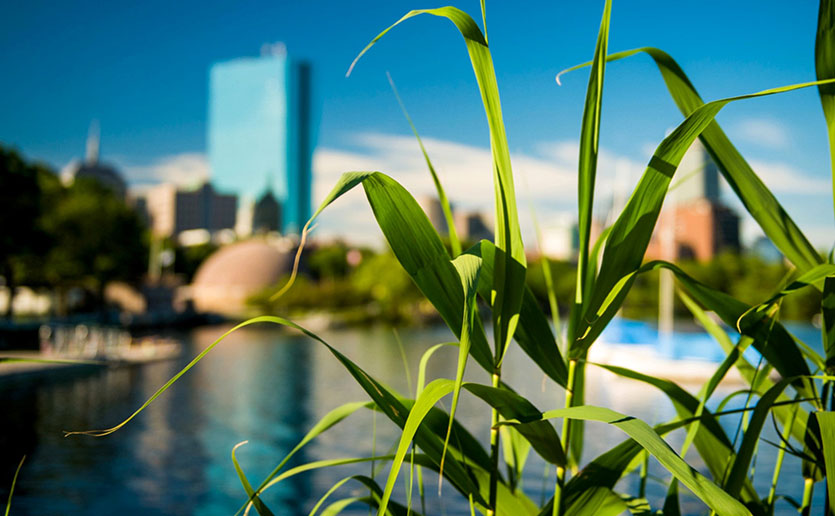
[[60, 237]]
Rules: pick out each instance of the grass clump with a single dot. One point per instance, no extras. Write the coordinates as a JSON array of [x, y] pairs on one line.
[[433, 442]]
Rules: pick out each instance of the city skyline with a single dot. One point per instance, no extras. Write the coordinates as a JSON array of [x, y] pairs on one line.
[[151, 98]]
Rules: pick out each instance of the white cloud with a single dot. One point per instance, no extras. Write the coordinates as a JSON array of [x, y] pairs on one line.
[[762, 131], [548, 179], [185, 169], [784, 178]]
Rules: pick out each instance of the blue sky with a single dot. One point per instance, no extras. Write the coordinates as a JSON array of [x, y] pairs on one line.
[[142, 71]]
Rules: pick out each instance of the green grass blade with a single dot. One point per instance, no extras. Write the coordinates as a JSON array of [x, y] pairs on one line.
[[742, 462], [510, 261], [14, 483], [340, 505], [755, 196], [516, 449], [418, 248], [826, 420], [326, 423], [424, 361], [468, 267], [772, 341], [166, 385], [825, 69], [433, 392], [511, 406], [587, 168], [710, 438], [454, 242], [327, 494], [671, 505], [631, 232], [794, 416], [253, 498], [643, 434]]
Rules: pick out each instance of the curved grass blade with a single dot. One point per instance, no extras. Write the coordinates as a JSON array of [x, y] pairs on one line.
[[755, 196], [338, 506], [468, 267], [14, 483], [327, 494], [631, 232], [513, 407], [253, 498], [771, 340], [509, 277], [742, 461], [454, 242], [794, 416], [424, 360], [433, 392], [644, 435], [710, 438], [327, 422], [825, 69], [418, 248], [166, 385], [816, 276]]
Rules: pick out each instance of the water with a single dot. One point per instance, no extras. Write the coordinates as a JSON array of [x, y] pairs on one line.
[[269, 387]]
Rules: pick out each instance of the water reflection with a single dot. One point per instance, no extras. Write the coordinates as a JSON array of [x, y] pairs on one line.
[[270, 387], [174, 458]]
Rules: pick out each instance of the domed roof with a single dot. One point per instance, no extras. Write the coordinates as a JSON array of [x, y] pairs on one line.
[[234, 272], [104, 174]]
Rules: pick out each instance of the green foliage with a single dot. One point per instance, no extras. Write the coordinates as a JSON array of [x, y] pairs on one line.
[[187, 259], [799, 403], [376, 290], [59, 237], [97, 238]]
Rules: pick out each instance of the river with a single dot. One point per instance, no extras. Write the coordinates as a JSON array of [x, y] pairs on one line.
[[269, 386]]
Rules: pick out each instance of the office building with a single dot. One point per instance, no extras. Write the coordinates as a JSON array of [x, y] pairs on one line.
[[172, 211], [695, 223], [266, 215], [260, 126]]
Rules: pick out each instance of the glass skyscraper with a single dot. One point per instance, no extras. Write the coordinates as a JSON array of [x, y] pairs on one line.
[[260, 133]]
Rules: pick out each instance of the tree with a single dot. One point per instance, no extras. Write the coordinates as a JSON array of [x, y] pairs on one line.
[[97, 239], [20, 209]]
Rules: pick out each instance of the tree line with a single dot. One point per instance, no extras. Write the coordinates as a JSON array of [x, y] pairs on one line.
[[58, 237]]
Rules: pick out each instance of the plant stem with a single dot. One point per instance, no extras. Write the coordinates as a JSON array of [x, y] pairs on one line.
[[564, 438], [808, 488], [494, 451]]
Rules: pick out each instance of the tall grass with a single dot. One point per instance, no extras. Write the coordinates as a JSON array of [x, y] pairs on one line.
[[800, 401]]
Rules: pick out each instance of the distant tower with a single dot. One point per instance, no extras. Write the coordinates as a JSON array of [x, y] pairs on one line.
[[694, 223], [260, 119], [266, 216], [92, 168], [697, 176], [93, 138]]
